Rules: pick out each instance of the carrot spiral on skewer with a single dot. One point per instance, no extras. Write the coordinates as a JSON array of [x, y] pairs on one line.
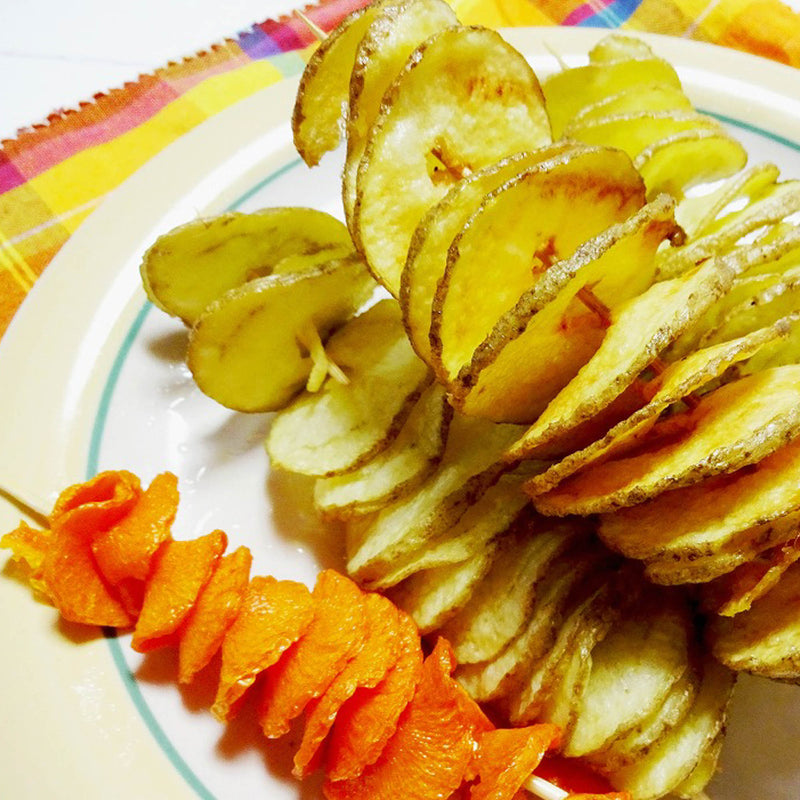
[[381, 718]]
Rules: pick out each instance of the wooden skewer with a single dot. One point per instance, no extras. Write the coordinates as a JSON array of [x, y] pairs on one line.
[[310, 24], [32, 507]]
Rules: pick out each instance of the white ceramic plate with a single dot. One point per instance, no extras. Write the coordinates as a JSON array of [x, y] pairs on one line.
[[92, 378]]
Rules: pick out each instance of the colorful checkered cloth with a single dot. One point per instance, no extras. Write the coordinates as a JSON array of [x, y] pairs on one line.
[[53, 175]]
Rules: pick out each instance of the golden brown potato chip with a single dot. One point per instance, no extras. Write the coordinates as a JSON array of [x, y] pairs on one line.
[[469, 465], [570, 90], [630, 747], [188, 268], [764, 639], [686, 158], [433, 595], [634, 131], [617, 46], [343, 425], [507, 671], [398, 27], [658, 316], [705, 769], [671, 759], [736, 591], [678, 380], [427, 255], [244, 351], [396, 470], [465, 100], [717, 516], [532, 354], [773, 205], [584, 624], [490, 513], [501, 603], [633, 670], [521, 232], [742, 290], [698, 213], [652, 97], [779, 299], [322, 96], [738, 424]]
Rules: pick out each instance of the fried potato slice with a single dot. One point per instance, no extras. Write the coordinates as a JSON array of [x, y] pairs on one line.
[[658, 316], [764, 639], [505, 673], [397, 29], [633, 131], [322, 96], [427, 254], [470, 464], [456, 536], [617, 46], [470, 99], [672, 758], [512, 242], [698, 213], [569, 91], [779, 299], [738, 424], [678, 380], [537, 347], [780, 352], [568, 684], [433, 595], [634, 744], [720, 516], [501, 603], [652, 97], [693, 785], [735, 592], [685, 566], [773, 205], [245, 350], [586, 623], [741, 290], [397, 469], [189, 267], [632, 671], [686, 158], [344, 425]]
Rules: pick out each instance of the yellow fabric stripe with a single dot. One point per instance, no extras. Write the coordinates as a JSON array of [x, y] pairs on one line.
[[12, 262], [99, 169]]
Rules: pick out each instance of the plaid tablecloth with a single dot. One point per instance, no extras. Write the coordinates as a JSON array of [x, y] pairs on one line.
[[55, 173]]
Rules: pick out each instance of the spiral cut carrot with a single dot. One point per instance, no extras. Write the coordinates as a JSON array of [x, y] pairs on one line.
[[381, 718]]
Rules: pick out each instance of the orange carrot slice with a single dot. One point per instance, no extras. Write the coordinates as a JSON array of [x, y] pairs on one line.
[[216, 609], [506, 757], [431, 750], [305, 672], [274, 615], [73, 583], [27, 544], [126, 550], [180, 570], [367, 721], [97, 504], [367, 668]]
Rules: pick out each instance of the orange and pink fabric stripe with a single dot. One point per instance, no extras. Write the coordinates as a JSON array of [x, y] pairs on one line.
[[54, 174]]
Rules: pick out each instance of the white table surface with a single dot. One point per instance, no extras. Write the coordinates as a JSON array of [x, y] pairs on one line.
[[56, 53]]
